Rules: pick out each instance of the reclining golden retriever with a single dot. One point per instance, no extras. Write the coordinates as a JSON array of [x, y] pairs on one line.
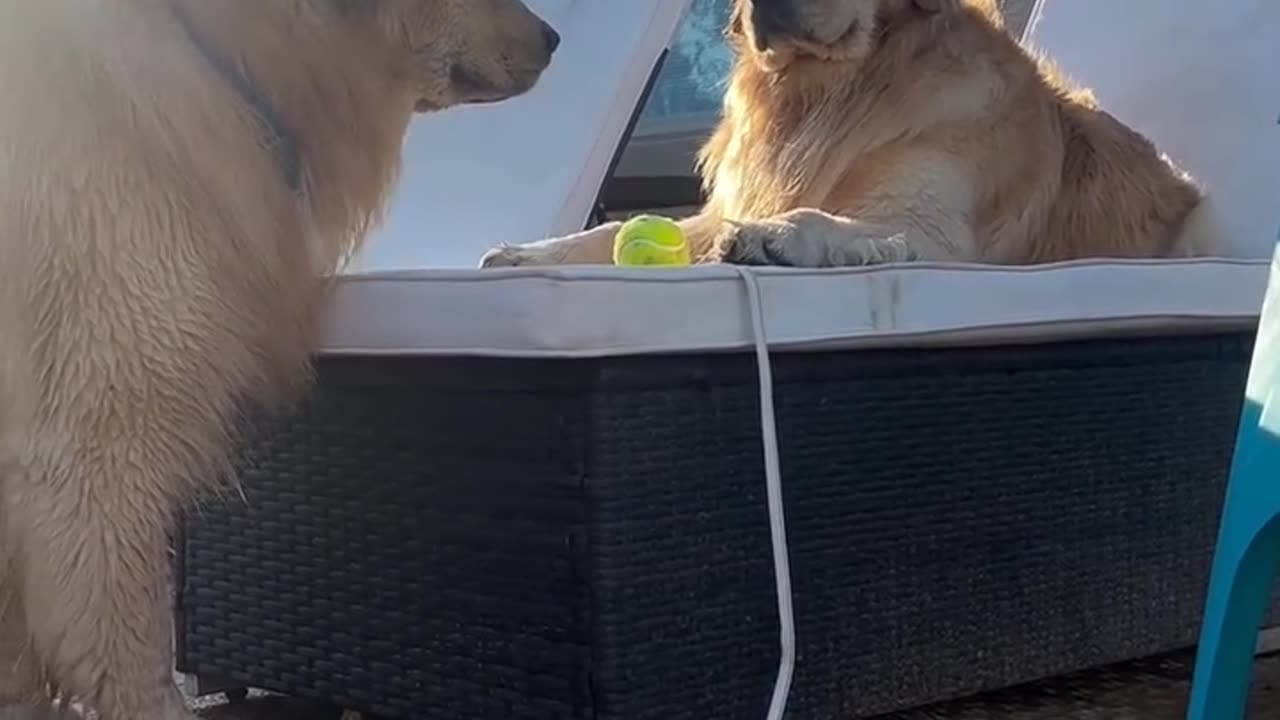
[[870, 131], [179, 178]]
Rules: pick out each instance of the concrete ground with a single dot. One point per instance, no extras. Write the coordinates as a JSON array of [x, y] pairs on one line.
[[1149, 690]]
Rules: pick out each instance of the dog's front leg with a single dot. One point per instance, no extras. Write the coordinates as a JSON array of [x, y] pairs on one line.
[[22, 680], [38, 712], [595, 246], [920, 209], [589, 247], [91, 518]]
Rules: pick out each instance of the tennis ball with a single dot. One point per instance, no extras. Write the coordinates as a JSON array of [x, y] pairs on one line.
[[650, 240]]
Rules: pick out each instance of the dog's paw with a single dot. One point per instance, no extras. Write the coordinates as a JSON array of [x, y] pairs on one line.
[[809, 239], [516, 256], [760, 243]]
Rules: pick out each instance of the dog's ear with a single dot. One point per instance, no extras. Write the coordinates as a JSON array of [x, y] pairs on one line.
[[938, 6], [736, 27]]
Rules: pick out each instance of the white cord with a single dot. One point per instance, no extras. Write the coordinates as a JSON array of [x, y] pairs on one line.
[[777, 518]]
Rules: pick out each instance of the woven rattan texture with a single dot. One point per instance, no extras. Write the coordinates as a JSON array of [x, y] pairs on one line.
[[484, 539], [403, 540]]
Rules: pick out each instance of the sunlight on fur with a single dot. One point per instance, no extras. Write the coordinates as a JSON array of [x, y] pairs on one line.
[[859, 132], [181, 178]]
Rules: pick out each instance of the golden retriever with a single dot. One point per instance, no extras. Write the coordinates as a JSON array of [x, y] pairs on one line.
[[180, 178], [870, 131]]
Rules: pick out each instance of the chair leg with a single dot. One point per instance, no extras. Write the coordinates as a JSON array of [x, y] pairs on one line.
[[1244, 569], [1238, 593]]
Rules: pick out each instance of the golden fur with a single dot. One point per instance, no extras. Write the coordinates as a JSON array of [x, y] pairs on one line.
[[158, 271], [869, 131]]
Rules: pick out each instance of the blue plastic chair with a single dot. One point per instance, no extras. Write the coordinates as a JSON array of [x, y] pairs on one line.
[[1248, 551]]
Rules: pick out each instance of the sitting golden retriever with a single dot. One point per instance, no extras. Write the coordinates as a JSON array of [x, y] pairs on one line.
[[179, 179], [871, 131]]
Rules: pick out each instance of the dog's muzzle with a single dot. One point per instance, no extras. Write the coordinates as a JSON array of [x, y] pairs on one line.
[[770, 20]]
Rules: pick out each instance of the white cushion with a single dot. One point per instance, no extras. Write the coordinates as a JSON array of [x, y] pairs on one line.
[[589, 312]]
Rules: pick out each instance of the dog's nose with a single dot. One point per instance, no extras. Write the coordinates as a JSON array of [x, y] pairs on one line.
[[550, 38], [769, 19]]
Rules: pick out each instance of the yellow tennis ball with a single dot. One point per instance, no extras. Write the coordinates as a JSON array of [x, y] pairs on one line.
[[650, 240]]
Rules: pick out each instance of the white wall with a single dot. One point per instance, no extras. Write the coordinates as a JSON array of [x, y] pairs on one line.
[[530, 167]]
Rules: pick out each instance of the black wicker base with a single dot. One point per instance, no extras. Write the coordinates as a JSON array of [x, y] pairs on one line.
[[456, 539]]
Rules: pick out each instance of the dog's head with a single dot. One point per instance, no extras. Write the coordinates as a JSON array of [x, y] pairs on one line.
[[776, 32], [459, 51]]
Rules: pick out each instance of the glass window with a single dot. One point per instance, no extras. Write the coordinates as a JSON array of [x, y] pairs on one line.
[[690, 85]]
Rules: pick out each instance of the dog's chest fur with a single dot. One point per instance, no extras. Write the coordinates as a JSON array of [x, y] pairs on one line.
[[761, 163], [806, 139]]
